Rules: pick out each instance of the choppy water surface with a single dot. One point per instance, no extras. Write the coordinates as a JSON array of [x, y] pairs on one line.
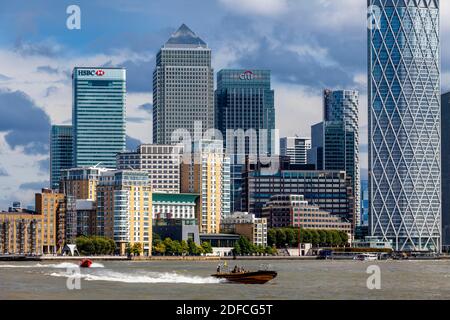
[[191, 280]]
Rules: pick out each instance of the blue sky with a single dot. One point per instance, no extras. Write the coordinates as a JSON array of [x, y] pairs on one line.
[[308, 45]]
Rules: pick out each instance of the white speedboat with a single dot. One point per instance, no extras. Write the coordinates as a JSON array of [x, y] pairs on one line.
[[366, 257]]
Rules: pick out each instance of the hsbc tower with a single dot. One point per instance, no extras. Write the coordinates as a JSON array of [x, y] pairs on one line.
[[98, 116]]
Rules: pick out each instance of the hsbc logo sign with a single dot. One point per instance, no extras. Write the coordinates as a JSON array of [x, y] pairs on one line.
[[91, 73], [247, 75]]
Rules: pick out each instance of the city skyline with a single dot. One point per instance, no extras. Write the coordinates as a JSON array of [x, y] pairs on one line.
[[46, 58]]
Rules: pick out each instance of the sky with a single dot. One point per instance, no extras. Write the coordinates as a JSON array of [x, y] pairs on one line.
[[308, 46]]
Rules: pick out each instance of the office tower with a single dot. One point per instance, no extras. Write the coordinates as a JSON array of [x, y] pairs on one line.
[[445, 162], [404, 125], [245, 114], [329, 189], [124, 203], [61, 152], [335, 141], [315, 154], [20, 232], [98, 117], [364, 200], [291, 210], [81, 183], [208, 174], [161, 162], [183, 88], [342, 106], [296, 148]]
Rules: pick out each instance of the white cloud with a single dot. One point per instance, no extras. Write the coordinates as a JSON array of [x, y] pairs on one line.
[[256, 7], [22, 169], [296, 109]]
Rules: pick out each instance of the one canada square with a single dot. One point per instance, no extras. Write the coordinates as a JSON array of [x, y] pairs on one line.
[[183, 88], [404, 123]]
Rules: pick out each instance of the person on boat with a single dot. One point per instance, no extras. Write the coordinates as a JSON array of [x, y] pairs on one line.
[[218, 268], [236, 269]]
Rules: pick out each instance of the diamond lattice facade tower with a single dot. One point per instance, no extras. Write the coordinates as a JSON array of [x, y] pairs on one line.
[[404, 124], [98, 116], [183, 88]]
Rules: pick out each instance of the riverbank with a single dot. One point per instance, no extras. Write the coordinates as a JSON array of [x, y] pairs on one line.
[[174, 258]]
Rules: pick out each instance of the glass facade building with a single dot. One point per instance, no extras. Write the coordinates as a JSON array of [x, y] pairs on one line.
[[445, 131], [364, 203], [61, 152], [98, 116], [330, 190], [341, 108], [244, 106], [183, 88], [404, 124]]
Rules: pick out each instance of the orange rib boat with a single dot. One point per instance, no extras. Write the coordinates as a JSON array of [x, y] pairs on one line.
[[247, 277]]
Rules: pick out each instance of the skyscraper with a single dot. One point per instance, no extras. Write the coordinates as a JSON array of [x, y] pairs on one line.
[[445, 131], [183, 87], [335, 141], [61, 152], [296, 148], [244, 107], [404, 124], [98, 115], [341, 106]]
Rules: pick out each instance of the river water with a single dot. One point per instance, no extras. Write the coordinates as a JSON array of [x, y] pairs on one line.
[[190, 280]]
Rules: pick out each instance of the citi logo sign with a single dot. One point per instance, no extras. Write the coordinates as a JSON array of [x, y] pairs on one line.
[[91, 73], [247, 75]]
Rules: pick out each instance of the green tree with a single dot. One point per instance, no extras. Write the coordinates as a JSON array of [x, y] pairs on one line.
[[184, 247], [322, 237], [315, 237], [291, 237], [194, 249], [237, 249], [344, 237], [207, 248], [159, 248], [281, 238], [246, 246], [307, 237], [134, 249], [272, 237]]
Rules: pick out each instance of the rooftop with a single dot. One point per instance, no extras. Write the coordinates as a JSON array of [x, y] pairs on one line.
[[184, 37]]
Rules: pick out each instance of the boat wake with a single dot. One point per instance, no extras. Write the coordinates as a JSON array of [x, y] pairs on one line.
[[148, 277], [63, 265]]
